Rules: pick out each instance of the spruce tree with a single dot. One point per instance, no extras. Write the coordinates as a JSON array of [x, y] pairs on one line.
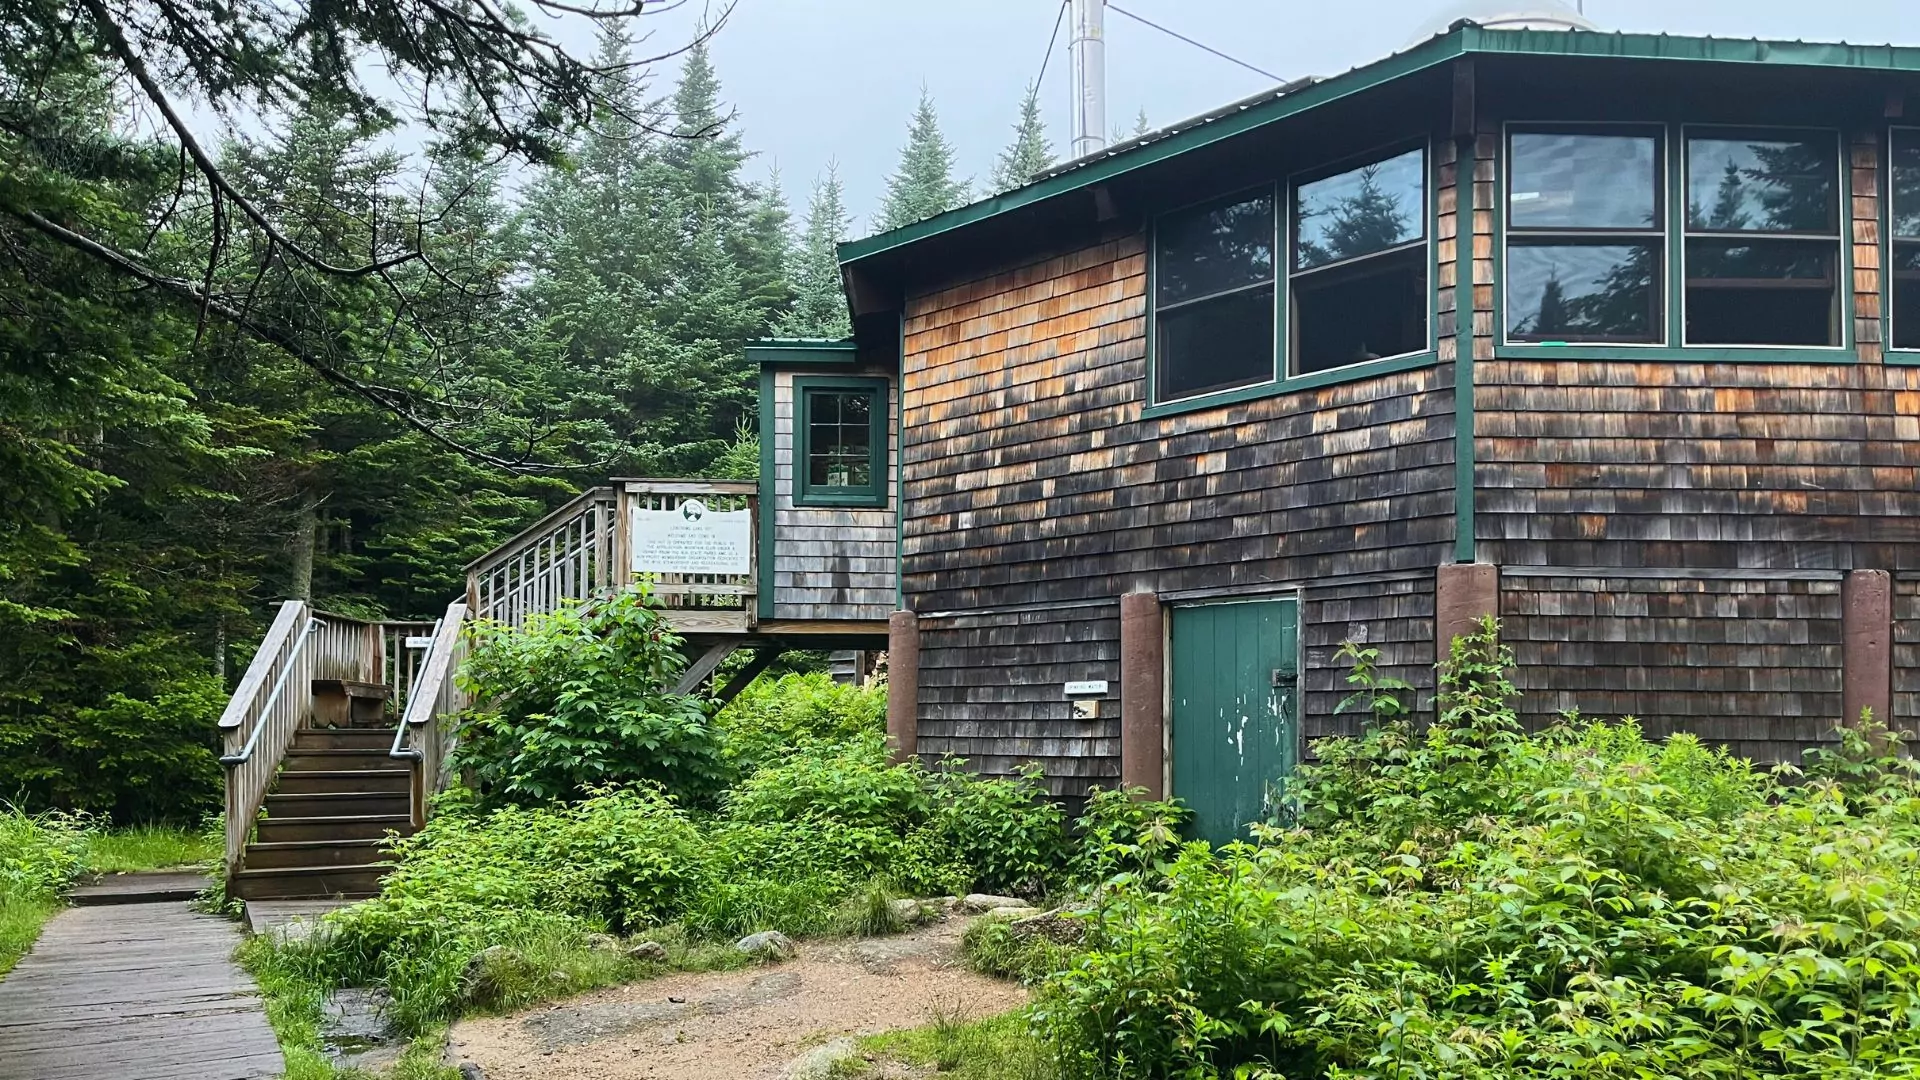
[[819, 306], [1140, 123], [923, 185], [1029, 155]]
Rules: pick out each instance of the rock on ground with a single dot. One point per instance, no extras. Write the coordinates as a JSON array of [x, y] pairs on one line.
[[976, 903], [768, 944]]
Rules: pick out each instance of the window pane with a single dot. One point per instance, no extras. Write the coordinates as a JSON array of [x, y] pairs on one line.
[[1906, 183], [1361, 312], [1216, 344], [1774, 292], [1366, 210], [1906, 296], [1762, 185], [839, 438], [856, 408], [823, 407], [1584, 181], [1214, 249], [1582, 292]]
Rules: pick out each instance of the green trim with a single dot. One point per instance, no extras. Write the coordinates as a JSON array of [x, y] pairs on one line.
[[1368, 370], [1419, 58], [1465, 166], [900, 475], [769, 496], [796, 352], [1467, 40], [1902, 358], [1700, 354], [868, 496]]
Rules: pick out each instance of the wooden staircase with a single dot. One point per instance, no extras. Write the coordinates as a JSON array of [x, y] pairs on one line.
[[338, 794]]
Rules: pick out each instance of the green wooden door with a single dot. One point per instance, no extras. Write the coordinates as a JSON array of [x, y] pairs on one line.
[[1235, 713]]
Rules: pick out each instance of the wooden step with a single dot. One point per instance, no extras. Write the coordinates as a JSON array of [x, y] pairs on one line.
[[330, 760], [348, 827], [338, 804], [309, 882], [343, 739], [312, 853], [344, 782]]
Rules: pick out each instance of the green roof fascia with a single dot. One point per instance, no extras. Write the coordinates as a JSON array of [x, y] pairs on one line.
[[801, 351], [1468, 40]]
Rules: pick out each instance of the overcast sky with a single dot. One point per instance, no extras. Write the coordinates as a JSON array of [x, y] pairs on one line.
[[820, 80]]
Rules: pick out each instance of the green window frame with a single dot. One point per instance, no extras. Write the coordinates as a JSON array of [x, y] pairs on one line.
[[1282, 195], [1900, 280], [811, 423], [1677, 235]]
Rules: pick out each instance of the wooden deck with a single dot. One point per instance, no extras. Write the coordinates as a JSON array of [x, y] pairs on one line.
[[142, 991]]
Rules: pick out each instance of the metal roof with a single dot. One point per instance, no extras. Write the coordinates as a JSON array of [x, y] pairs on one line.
[[1297, 97]]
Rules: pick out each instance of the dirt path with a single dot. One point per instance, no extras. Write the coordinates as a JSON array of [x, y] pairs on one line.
[[738, 1025]]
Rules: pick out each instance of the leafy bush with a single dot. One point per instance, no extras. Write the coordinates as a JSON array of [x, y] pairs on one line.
[[137, 758], [1472, 901], [849, 782], [1121, 832], [40, 854], [1005, 828], [575, 701], [772, 717]]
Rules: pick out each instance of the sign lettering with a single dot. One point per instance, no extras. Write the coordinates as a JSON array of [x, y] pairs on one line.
[[693, 540]]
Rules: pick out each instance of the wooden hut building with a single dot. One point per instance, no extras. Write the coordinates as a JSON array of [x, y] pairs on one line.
[[1615, 336]]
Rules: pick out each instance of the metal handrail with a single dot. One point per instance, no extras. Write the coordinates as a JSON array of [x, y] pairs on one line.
[[399, 749], [266, 710]]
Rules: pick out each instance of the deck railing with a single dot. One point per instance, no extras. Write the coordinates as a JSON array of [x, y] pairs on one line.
[[569, 555], [425, 736]]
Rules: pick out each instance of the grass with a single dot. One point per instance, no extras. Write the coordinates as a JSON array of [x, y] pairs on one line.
[[996, 1048], [295, 1003], [20, 921], [149, 847]]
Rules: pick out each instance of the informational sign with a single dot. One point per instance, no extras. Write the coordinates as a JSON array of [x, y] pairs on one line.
[[692, 540], [1089, 688]]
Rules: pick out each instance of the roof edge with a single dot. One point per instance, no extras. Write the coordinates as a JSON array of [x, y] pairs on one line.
[[802, 351], [1295, 98]]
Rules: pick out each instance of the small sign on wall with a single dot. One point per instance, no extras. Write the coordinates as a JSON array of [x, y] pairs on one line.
[[1087, 688], [692, 539]]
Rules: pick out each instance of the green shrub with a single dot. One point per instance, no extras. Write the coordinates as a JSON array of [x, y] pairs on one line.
[[41, 854], [1118, 831], [1474, 901], [577, 701], [772, 717], [1005, 828], [847, 781]]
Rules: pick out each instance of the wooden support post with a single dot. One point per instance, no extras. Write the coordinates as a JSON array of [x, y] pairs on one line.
[[1464, 594], [903, 684], [762, 660], [1143, 694], [1866, 645]]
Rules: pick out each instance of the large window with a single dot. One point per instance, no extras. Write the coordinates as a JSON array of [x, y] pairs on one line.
[[1358, 277], [1904, 225], [840, 447], [1213, 297], [1586, 228], [1762, 251]]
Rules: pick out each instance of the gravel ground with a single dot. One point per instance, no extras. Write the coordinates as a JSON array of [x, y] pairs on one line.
[[738, 1025]]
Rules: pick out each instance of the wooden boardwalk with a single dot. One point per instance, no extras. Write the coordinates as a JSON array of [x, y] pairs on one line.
[[134, 991]]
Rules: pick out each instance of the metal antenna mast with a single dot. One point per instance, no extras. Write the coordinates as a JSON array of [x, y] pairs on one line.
[[1089, 48]]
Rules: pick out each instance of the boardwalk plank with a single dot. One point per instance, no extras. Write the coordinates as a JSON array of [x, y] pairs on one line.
[[141, 991]]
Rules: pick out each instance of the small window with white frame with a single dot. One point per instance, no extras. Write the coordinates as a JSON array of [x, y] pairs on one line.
[[1903, 228], [1357, 280], [1586, 235], [1763, 238]]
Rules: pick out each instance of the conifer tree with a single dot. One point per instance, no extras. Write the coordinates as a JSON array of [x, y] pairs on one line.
[[1029, 155], [1140, 123], [819, 306], [924, 184]]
